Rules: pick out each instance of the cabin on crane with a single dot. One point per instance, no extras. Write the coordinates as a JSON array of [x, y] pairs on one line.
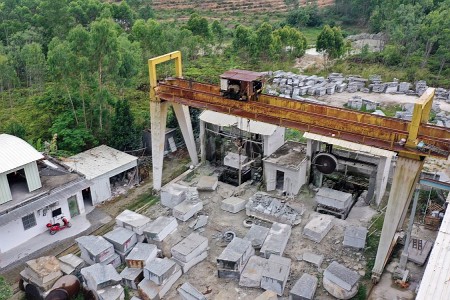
[[241, 85]]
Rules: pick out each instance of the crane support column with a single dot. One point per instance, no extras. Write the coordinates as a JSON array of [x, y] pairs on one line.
[[158, 113], [406, 175], [184, 121]]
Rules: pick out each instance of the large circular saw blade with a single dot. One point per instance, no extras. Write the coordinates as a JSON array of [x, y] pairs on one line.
[[325, 163]]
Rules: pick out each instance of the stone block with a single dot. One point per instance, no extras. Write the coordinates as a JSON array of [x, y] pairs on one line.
[[275, 275], [333, 198], [312, 258], [166, 245], [207, 183], [98, 276], [234, 257], [149, 290], [131, 277], [186, 266], [267, 295], [276, 240], [159, 270], [233, 204], [71, 264], [140, 255], [122, 239], [94, 249], [190, 247], [173, 194], [201, 222], [133, 221], [355, 237], [43, 271], [186, 210], [337, 291], [113, 260], [115, 292], [318, 227], [232, 160], [341, 275], [160, 228], [257, 235], [188, 292], [304, 288], [252, 273]]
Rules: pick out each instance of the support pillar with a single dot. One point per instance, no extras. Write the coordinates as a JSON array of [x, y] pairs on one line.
[[406, 175], [202, 142], [184, 121], [384, 166], [312, 147], [158, 118]]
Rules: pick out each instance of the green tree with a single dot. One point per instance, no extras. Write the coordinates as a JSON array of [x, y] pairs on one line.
[[298, 17], [124, 134], [199, 26], [292, 41], [331, 42], [218, 31], [33, 60]]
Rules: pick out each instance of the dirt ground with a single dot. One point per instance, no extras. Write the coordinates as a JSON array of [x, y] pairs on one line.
[[311, 59]]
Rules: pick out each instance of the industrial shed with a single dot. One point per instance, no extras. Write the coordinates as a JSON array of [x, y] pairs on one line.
[[107, 168]]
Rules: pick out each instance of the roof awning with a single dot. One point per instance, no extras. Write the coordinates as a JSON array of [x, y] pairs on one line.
[[349, 145], [244, 124]]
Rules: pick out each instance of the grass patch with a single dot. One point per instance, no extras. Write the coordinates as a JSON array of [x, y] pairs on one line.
[[373, 239], [142, 199], [311, 34], [294, 135], [390, 110]]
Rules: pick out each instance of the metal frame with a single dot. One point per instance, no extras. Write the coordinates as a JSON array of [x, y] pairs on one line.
[[153, 62]]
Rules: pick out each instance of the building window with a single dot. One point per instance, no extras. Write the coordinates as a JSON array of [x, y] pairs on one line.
[[29, 221]]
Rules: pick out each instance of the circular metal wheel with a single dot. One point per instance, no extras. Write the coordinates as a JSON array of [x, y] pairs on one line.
[[52, 232], [69, 225], [325, 163]]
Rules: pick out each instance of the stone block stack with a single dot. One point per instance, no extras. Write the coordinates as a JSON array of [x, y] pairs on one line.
[[159, 277], [160, 228], [257, 235], [252, 273], [189, 207], [421, 87], [96, 249], [104, 281], [140, 255], [123, 241], [173, 194], [188, 292], [42, 272], [190, 251], [232, 260], [276, 240], [134, 222], [71, 264], [391, 87]]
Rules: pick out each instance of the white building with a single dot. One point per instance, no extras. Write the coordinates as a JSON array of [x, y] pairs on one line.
[[104, 167], [33, 192]]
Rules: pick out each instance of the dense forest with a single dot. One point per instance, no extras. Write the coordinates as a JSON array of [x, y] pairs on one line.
[[78, 68]]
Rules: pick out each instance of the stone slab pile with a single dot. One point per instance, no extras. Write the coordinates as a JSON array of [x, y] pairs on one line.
[[233, 204], [403, 87], [189, 292], [304, 288], [275, 275], [391, 87], [115, 292], [318, 227], [166, 245], [104, 280], [96, 249], [71, 264], [160, 228], [252, 273], [340, 281], [257, 235], [189, 207], [140, 255], [263, 206], [232, 260], [131, 277], [190, 251], [276, 240], [159, 277], [42, 272], [355, 237], [173, 194], [123, 241], [134, 222]]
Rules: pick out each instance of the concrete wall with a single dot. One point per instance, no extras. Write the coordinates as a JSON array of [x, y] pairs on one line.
[[13, 234], [293, 179], [274, 141]]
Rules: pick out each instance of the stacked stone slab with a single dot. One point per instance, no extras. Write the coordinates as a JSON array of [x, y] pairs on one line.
[[304, 288], [190, 251], [340, 281], [42, 272], [233, 204], [391, 87], [334, 202], [207, 183], [131, 277], [160, 228], [276, 240], [159, 276], [134, 222], [104, 280], [264, 206], [71, 264], [421, 87], [355, 237], [140, 255], [123, 241], [173, 194], [188, 292], [257, 235], [318, 227], [232, 260], [189, 207], [403, 87], [275, 275], [252, 273], [96, 249]]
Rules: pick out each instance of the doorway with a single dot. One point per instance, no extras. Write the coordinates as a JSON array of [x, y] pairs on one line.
[[87, 197], [74, 210], [280, 180]]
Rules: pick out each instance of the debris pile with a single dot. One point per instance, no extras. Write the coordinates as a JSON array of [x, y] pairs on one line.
[[263, 206]]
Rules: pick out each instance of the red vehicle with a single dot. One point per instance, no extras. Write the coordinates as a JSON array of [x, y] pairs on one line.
[[53, 228]]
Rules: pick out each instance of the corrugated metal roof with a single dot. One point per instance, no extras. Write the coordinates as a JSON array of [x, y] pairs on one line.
[[15, 152], [245, 124], [98, 161], [435, 281], [242, 75], [349, 145], [63, 192]]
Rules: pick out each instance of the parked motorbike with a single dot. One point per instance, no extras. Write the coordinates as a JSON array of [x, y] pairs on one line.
[[53, 228]]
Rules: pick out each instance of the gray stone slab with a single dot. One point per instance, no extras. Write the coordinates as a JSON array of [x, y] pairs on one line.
[[275, 275], [304, 288], [337, 291], [190, 247], [257, 235], [276, 240], [133, 221], [115, 292], [186, 210], [173, 194], [159, 270], [252, 273], [267, 295], [131, 277], [98, 276], [355, 237], [71, 264], [160, 228], [140, 255], [318, 227], [94, 249], [233, 204], [312, 258], [149, 290], [333, 198], [201, 222], [123, 239], [341, 275], [188, 292], [186, 266], [115, 260], [234, 257], [419, 256], [207, 183]]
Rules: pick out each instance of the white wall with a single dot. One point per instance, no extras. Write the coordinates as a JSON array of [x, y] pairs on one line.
[[100, 190], [274, 141], [293, 179]]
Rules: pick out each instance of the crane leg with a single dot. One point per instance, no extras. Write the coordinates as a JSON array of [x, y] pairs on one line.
[[158, 113], [184, 120]]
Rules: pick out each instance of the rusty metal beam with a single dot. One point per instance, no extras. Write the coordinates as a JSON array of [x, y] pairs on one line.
[[350, 125]]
